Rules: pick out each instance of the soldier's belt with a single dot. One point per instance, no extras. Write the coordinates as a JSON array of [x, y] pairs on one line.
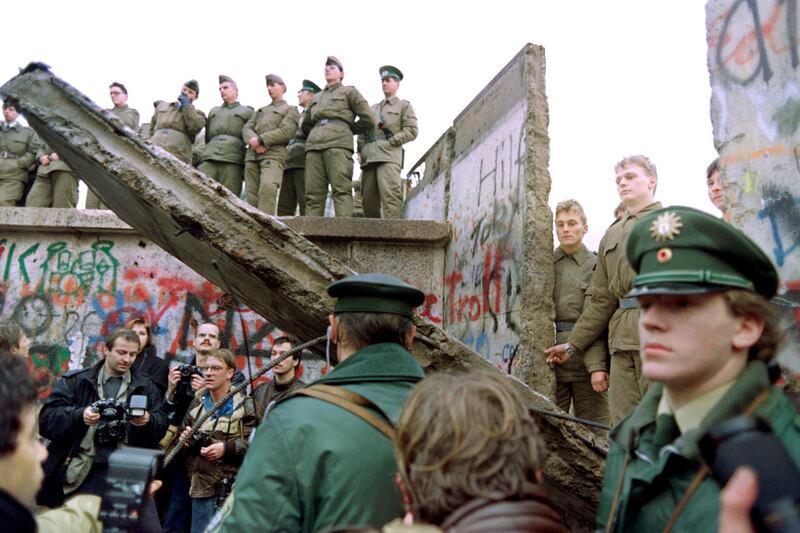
[[295, 141], [8, 155], [326, 121], [628, 303], [225, 136], [564, 326]]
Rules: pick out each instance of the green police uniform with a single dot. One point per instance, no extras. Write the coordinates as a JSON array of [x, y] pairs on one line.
[[654, 455], [314, 465], [223, 155], [56, 185], [174, 128], [18, 148], [610, 309], [274, 125], [129, 117], [330, 127], [573, 272], [382, 153], [292, 195]]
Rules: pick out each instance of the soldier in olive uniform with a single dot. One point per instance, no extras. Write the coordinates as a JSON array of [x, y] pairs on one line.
[[223, 155], [610, 308], [293, 186], [128, 116], [266, 134], [329, 148], [18, 147], [175, 125], [381, 150], [583, 380], [56, 184]]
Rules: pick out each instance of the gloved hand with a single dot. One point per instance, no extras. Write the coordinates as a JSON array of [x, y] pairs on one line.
[[184, 100]]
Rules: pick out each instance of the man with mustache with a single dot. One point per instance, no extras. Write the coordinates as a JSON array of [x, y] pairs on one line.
[[609, 307], [707, 332], [78, 452]]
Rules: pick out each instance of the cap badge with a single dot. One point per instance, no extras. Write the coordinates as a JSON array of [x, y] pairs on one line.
[[666, 227], [664, 255]]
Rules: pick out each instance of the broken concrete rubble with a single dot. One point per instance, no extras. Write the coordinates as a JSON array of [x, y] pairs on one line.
[[268, 265]]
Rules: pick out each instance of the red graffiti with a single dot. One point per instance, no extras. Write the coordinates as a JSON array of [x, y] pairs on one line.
[[427, 308]]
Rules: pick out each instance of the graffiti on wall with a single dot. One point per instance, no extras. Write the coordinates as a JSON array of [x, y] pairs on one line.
[[68, 294], [753, 60], [482, 282]]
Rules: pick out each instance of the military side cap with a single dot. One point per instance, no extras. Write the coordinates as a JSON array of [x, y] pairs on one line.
[[274, 78], [388, 71], [332, 60], [193, 85], [309, 85], [375, 293], [680, 250], [223, 78]]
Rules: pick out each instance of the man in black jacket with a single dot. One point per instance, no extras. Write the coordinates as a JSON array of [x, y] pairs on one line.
[[81, 442]]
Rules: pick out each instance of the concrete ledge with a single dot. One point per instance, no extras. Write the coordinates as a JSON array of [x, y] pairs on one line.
[[370, 230], [77, 221]]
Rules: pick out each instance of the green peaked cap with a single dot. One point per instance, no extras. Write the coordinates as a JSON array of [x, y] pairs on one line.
[[681, 250], [375, 293]]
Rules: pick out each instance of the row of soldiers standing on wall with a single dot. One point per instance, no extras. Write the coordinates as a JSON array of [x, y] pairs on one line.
[[285, 159]]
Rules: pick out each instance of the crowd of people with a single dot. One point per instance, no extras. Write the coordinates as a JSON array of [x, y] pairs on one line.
[[664, 336], [286, 160]]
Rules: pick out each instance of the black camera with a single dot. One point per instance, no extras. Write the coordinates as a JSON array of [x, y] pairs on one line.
[[749, 441], [198, 440], [184, 386], [222, 491], [130, 472], [113, 413]]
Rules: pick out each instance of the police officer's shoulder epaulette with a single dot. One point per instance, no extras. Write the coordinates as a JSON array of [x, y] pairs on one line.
[[72, 373]]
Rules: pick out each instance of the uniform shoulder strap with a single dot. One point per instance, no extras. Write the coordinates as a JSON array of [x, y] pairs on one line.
[[352, 402]]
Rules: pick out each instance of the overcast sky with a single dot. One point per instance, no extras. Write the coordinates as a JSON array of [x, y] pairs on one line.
[[623, 76]]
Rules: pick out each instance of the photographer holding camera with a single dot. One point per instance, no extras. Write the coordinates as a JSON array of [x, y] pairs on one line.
[[707, 333], [217, 449], [90, 413]]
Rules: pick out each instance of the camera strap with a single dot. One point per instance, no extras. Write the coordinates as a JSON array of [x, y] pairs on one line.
[[352, 402]]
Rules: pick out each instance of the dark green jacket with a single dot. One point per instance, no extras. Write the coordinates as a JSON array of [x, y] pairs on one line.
[[655, 480], [296, 149], [224, 133], [331, 118], [174, 128], [313, 465], [128, 115], [18, 145], [274, 125]]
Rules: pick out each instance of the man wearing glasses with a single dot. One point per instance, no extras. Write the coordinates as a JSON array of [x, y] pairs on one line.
[[219, 445]]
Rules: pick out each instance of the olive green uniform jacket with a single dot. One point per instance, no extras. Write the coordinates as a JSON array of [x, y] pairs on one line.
[[313, 465], [128, 116], [296, 149], [174, 128], [332, 114], [612, 280], [572, 276], [224, 133], [385, 144], [274, 124], [18, 147], [655, 480]]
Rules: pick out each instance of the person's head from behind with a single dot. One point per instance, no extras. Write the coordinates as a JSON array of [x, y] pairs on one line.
[[21, 453], [462, 437], [14, 340], [372, 309]]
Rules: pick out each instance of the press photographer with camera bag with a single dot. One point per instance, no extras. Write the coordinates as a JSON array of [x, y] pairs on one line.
[[217, 449], [89, 415]]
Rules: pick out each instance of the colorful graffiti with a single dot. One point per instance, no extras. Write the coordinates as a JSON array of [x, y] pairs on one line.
[[68, 294], [482, 282]]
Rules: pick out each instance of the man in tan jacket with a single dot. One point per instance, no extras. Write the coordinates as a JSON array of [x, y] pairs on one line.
[[381, 150], [175, 125], [609, 308], [330, 124], [266, 135]]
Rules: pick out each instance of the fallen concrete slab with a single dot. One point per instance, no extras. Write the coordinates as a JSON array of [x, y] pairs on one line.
[[265, 263]]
